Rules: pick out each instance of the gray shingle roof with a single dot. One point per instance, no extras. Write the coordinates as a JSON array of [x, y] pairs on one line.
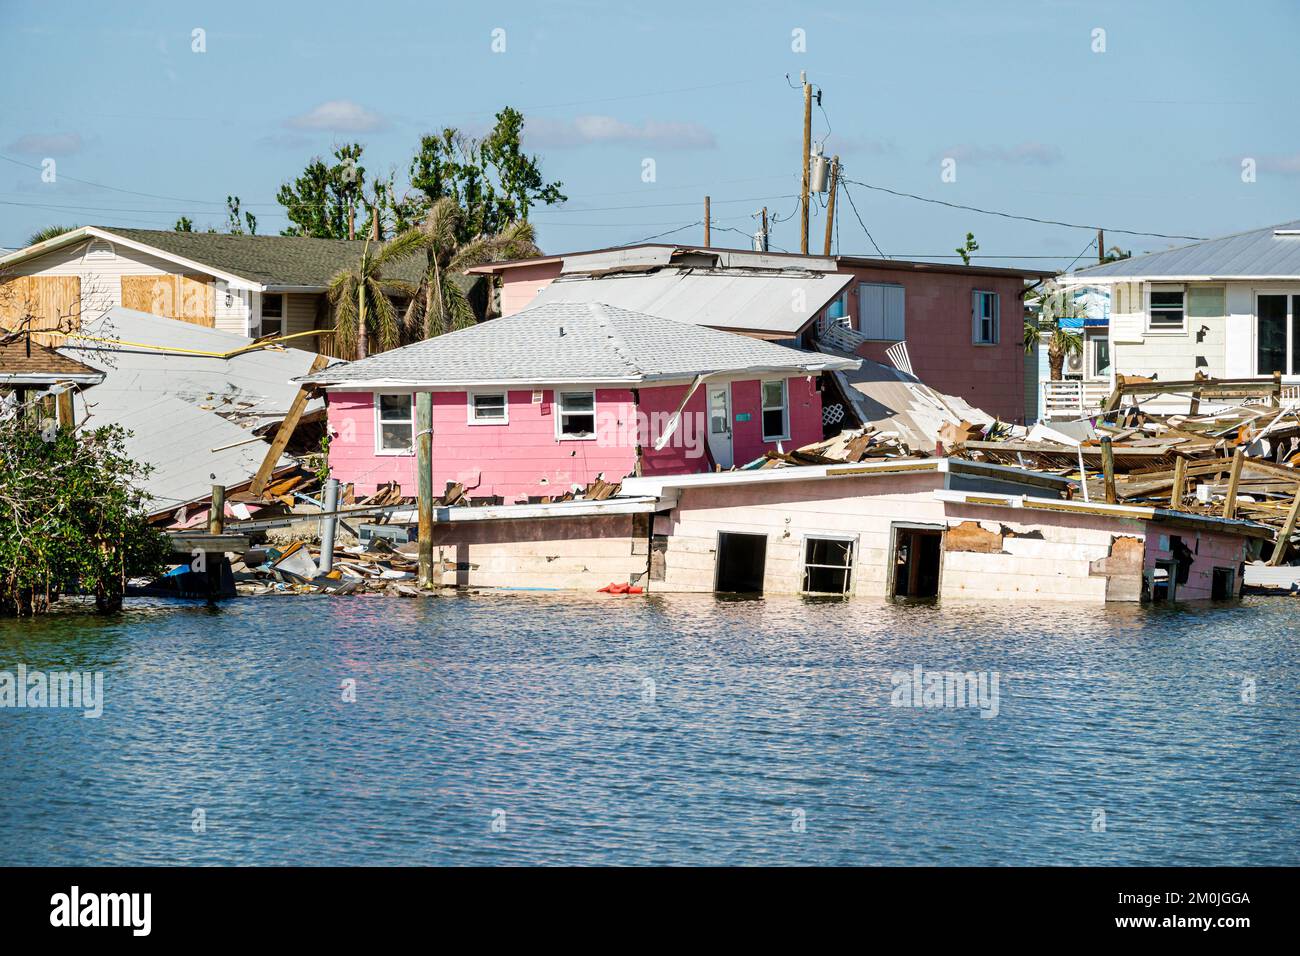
[[574, 342], [271, 260], [1259, 252]]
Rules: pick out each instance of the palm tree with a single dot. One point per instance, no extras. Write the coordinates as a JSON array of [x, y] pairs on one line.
[[1053, 307], [361, 295], [440, 304]]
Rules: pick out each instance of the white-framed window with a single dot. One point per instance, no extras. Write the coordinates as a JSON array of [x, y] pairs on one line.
[[1277, 333], [828, 565], [881, 310], [776, 411], [1166, 309], [272, 314], [1099, 356], [394, 424], [986, 314], [575, 415], [488, 408]]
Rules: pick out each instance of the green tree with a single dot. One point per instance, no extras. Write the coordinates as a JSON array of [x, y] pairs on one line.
[[184, 224], [49, 232], [362, 296], [72, 515], [323, 201], [440, 304], [234, 225], [1053, 307], [967, 247], [491, 179]]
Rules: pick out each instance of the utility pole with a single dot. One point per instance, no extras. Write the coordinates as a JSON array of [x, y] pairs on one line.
[[830, 203], [807, 151], [765, 229], [706, 222], [1101, 247]]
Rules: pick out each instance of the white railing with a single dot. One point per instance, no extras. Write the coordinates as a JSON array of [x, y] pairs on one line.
[[1072, 398], [839, 334]]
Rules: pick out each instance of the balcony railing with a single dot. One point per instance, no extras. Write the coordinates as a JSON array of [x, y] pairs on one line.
[[1072, 397]]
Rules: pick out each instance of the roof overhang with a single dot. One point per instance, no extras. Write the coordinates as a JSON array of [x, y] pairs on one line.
[[82, 233], [640, 504], [1182, 519], [1083, 279], [47, 378]]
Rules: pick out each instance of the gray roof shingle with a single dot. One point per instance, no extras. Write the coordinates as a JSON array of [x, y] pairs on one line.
[[574, 342], [1259, 252]]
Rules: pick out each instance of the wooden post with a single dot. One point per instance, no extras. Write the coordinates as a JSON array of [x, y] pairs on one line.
[[1115, 398], [424, 482], [807, 154], [1180, 483], [830, 204], [1101, 247], [706, 222], [67, 417], [1108, 469], [1234, 479], [284, 432], [1195, 407], [1284, 536], [217, 513], [1276, 398]]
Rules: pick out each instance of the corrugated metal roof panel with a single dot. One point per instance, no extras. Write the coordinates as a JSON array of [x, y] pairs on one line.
[[1257, 253], [775, 305]]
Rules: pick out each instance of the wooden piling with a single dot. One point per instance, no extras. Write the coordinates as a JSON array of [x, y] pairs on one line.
[[217, 513], [1180, 483], [1234, 479], [1108, 469], [424, 482]]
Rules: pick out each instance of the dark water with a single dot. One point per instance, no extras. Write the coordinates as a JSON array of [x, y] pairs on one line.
[[533, 710]]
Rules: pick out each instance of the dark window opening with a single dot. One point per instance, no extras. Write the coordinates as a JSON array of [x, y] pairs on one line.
[[917, 554], [741, 562], [1221, 586], [828, 566]]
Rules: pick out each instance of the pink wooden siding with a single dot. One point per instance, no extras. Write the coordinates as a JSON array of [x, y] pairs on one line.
[[1210, 551], [523, 457], [520, 285]]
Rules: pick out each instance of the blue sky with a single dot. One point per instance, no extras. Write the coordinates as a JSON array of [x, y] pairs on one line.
[[1148, 135]]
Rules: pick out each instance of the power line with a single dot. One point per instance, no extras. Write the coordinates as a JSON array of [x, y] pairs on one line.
[[689, 225], [86, 182], [854, 207], [1008, 215]]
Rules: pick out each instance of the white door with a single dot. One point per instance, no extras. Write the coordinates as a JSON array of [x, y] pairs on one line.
[[720, 424]]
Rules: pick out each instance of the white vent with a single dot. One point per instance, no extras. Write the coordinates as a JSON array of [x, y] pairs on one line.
[[99, 249]]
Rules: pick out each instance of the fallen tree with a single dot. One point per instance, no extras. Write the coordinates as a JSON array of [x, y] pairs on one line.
[[72, 516]]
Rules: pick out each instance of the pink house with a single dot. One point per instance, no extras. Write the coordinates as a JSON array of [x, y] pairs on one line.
[[556, 396], [961, 325]]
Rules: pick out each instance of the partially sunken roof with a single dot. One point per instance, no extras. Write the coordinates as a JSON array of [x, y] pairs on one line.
[[1269, 253], [574, 342]]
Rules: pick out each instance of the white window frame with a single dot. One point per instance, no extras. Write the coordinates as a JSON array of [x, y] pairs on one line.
[[1152, 329], [1289, 295], [379, 426], [471, 409], [977, 318], [764, 408], [1090, 368], [860, 324], [263, 318], [851, 567], [560, 413]]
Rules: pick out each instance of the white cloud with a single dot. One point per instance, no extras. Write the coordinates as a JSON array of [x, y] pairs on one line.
[[338, 116], [51, 144], [1022, 154], [593, 129], [1283, 165]]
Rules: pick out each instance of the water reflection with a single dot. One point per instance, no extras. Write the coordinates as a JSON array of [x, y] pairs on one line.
[[656, 729]]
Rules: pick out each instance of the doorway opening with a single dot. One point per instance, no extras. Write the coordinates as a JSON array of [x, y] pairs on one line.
[[742, 559], [917, 558], [1221, 585]]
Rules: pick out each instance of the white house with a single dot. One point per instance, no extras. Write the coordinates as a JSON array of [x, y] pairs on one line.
[[1226, 308]]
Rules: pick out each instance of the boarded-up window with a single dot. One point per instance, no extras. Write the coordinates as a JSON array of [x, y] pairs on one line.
[[188, 298], [41, 302], [880, 311]]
